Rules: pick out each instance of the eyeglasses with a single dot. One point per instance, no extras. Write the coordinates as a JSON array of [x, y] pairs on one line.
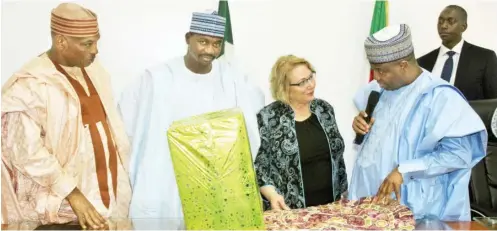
[[305, 81]]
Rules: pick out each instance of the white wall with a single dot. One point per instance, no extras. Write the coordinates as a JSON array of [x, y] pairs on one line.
[[329, 33]]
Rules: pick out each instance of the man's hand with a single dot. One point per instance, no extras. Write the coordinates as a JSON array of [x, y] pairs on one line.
[[391, 184], [84, 210], [359, 125]]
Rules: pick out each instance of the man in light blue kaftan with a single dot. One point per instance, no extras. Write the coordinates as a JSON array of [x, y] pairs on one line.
[[424, 137], [189, 85]]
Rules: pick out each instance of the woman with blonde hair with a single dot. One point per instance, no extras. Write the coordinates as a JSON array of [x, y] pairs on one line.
[[300, 160]]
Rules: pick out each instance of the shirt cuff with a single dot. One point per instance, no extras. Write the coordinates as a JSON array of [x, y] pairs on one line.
[[64, 185], [411, 169]]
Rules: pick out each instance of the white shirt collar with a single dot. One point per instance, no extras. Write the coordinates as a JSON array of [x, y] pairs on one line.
[[457, 48]]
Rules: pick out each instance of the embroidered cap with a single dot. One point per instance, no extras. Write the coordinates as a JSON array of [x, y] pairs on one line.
[[210, 24], [73, 20], [389, 44]]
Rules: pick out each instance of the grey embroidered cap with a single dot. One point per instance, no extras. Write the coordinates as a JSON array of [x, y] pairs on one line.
[[389, 44], [210, 24]]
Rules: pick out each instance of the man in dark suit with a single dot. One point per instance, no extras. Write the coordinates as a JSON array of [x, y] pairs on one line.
[[470, 68]]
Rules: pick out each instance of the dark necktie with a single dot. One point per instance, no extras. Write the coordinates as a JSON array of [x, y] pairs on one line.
[[448, 66]]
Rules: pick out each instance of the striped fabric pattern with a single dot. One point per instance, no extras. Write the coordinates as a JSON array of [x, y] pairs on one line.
[[398, 44], [74, 27], [208, 24]]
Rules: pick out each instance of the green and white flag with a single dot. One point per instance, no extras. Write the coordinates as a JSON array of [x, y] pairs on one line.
[[380, 21], [227, 52]]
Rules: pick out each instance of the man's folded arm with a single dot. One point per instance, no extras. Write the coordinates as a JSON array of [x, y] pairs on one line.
[[451, 153]]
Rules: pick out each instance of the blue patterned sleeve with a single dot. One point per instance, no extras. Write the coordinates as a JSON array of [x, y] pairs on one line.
[[262, 161], [340, 148]]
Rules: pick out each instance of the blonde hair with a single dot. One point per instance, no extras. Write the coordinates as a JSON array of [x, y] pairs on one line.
[[279, 75]]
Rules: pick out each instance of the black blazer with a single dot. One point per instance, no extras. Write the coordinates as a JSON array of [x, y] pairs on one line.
[[476, 74]]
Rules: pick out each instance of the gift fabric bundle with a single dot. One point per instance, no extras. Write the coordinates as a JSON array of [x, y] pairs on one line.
[[345, 214], [214, 172]]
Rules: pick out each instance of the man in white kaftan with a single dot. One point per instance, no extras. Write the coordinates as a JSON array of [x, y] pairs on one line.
[[425, 137], [190, 85]]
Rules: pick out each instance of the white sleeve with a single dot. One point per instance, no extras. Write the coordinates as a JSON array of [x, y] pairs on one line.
[[129, 102], [361, 97]]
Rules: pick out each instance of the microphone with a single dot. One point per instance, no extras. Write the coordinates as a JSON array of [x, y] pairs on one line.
[[373, 99]]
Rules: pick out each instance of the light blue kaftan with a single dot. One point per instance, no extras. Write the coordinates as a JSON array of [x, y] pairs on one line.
[[166, 93], [431, 133]]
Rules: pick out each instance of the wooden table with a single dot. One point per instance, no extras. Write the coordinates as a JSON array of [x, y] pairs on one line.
[[473, 225]]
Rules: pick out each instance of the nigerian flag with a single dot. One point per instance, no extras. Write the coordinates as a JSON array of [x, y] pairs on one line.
[[380, 21], [227, 51]]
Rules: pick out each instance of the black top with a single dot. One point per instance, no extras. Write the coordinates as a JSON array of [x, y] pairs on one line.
[[315, 159]]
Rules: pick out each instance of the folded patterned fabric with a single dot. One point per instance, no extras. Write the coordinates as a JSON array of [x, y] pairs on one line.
[[343, 215]]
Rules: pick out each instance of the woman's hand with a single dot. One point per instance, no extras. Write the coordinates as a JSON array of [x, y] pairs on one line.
[[275, 199], [278, 202]]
